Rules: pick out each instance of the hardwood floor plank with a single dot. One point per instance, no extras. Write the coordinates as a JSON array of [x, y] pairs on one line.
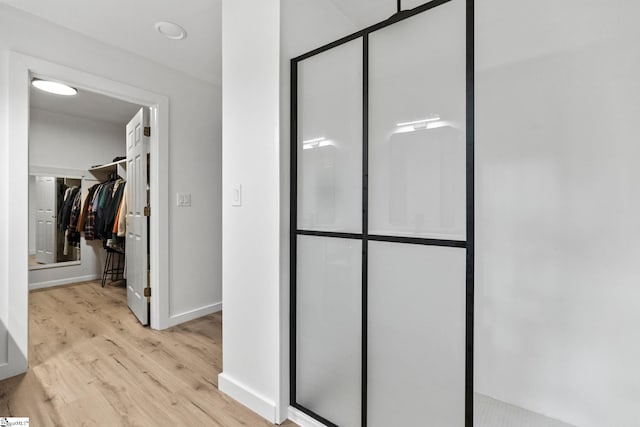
[[91, 363]]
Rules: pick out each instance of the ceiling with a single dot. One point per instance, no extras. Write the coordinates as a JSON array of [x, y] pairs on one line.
[[129, 25], [85, 104]]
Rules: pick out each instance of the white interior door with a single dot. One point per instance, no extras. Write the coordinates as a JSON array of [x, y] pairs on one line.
[[136, 244], [46, 219]]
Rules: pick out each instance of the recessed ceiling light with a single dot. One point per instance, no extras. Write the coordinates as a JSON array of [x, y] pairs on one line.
[[54, 87], [171, 30]]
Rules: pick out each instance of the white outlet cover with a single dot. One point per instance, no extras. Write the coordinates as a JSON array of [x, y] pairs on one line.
[[183, 199]]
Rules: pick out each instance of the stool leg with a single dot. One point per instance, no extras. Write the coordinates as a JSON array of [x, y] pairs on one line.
[[119, 272], [106, 269]]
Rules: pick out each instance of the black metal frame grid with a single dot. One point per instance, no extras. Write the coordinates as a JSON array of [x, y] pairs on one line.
[[364, 236]]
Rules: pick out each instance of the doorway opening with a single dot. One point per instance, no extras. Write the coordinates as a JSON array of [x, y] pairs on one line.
[[22, 69], [87, 198]]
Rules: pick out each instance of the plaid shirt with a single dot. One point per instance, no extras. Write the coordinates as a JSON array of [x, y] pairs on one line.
[[89, 223]]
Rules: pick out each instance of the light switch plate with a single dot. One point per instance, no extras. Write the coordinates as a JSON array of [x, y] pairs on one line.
[[184, 200], [236, 195]]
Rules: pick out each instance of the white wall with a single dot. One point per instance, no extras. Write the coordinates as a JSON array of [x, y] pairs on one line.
[[70, 142], [194, 150], [557, 184], [4, 223], [251, 328]]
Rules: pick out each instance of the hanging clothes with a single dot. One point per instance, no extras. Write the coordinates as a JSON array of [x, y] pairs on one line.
[[90, 221], [121, 225], [111, 214], [72, 234], [98, 214], [110, 210], [84, 208], [99, 209], [121, 215], [64, 215], [65, 193]]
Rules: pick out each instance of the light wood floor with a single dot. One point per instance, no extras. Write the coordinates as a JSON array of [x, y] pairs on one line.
[[91, 363], [33, 262]]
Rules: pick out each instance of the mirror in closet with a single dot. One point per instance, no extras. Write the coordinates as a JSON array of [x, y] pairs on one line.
[[53, 218]]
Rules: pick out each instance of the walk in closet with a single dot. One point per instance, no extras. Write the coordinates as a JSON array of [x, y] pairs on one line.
[[84, 150]]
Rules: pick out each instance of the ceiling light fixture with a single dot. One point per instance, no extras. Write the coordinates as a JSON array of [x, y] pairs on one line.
[[170, 30], [54, 87]]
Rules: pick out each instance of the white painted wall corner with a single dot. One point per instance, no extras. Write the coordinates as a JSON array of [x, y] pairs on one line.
[[176, 319]]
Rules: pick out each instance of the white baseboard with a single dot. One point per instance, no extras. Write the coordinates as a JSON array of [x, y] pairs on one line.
[[249, 398], [65, 281], [8, 370], [176, 319], [16, 361], [302, 419]]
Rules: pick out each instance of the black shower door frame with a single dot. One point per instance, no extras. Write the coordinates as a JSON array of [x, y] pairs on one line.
[[364, 237]]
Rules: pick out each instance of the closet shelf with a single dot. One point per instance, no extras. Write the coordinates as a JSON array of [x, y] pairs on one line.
[[119, 167]]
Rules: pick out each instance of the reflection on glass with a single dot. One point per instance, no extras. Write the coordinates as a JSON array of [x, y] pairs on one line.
[[427, 183], [417, 126], [53, 212], [330, 140], [320, 181]]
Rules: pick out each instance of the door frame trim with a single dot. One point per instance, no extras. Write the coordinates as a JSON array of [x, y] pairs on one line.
[[21, 69]]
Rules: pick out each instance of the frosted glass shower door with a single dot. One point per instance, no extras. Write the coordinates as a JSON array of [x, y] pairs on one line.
[[417, 221], [330, 140], [381, 223], [417, 126], [328, 297]]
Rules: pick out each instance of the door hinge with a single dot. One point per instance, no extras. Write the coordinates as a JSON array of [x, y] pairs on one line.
[[147, 131], [147, 289], [147, 211]]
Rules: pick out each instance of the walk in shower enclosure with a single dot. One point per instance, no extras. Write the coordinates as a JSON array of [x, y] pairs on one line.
[[382, 223]]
